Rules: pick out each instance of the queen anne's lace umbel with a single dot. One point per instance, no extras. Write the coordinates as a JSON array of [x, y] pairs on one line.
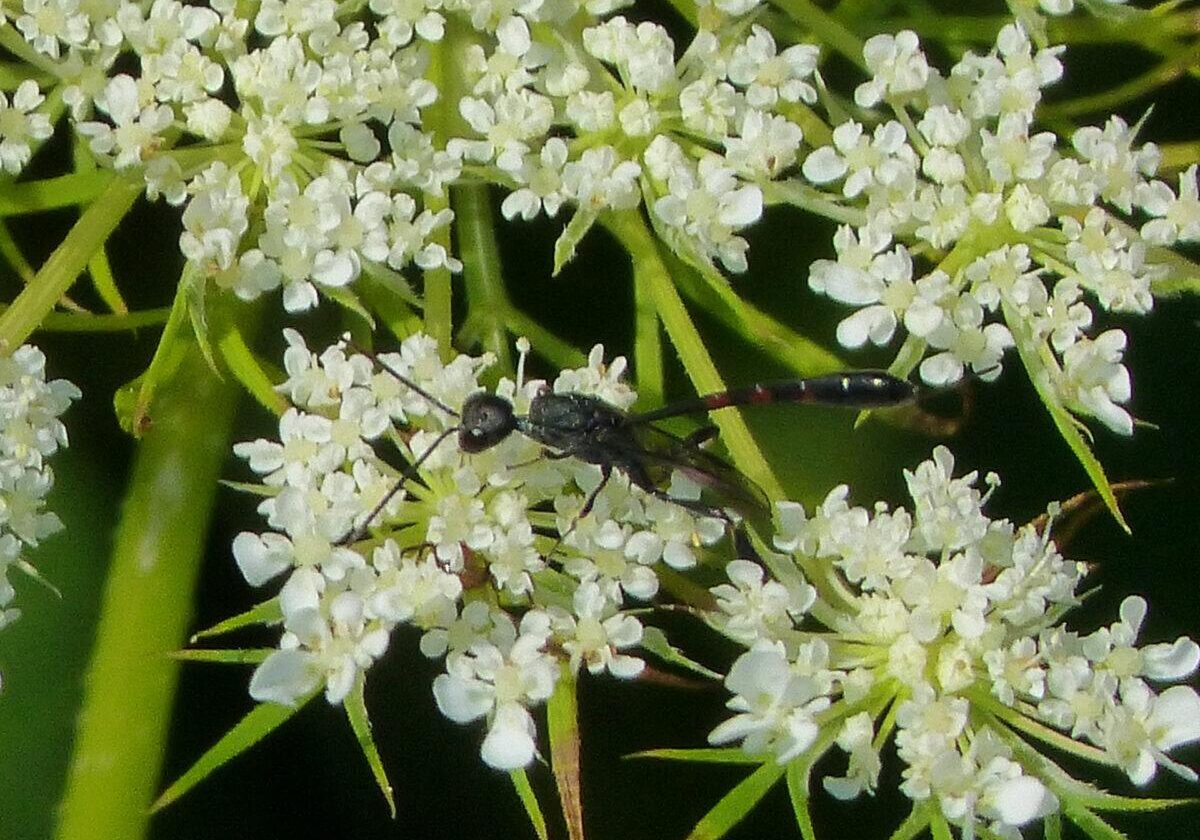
[[948, 637], [307, 143], [1021, 238], [455, 553], [952, 644]]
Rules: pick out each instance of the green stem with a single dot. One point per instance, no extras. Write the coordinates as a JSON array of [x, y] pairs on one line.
[[439, 288], [15, 43], [483, 274], [159, 545], [1149, 31], [827, 29], [649, 269], [84, 322], [647, 347], [69, 259], [1108, 101], [439, 120]]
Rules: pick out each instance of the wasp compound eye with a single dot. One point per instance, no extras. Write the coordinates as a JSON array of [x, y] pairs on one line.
[[487, 419]]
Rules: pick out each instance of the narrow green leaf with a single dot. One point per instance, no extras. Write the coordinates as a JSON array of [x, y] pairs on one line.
[[1052, 826], [534, 811], [247, 369], [400, 319], [736, 804], [31, 570], [939, 829], [915, 823], [562, 720], [797, 785], [1184, 276], [268, 612], [564, 248], [194, 288], [716, 755], [53, 193], [64, 265], [390, 298], [262, 491], [1068, 427], [100, 270], [132, 402], [84, 322], [655, 641], [262, 720], [241, 656], [1064, 421], [1090, 824], [348, 300], [1104, 801], [1043, 733], [356, 712]]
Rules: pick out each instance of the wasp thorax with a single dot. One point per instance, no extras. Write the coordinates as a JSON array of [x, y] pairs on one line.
[[487, 419]]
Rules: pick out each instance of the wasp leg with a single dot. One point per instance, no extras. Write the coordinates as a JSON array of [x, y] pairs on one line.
[[605, 475]]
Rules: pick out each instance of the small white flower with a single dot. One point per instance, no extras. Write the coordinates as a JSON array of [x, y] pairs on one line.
[[138, 127], [769, 76], [1095, 382], [897, 64], [596, 633], [21, 126], [487, 680], [775, 706], [1178, 217], [754, 609]]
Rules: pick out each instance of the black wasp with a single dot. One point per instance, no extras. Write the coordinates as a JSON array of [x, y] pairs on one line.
[[592, 430]]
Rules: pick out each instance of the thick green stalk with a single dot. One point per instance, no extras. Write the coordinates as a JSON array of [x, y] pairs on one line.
[[159, 546], [483, 274]]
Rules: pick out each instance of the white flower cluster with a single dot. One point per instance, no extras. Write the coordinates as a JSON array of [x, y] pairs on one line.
[[30, 432], [301, 140], [979, 232], [469, 541], [305, 147], [952, 622]]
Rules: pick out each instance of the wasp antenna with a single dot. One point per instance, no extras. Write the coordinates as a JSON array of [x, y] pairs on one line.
[[404, 380], [359, 531]]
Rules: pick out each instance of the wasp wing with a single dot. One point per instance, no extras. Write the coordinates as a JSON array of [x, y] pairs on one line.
[[662, 452]]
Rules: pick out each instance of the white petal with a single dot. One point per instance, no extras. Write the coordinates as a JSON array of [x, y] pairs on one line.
[[459, 700], [743, 207], [509, 744], [1171, 661], [284, 677], [824, 165], [1019, 800], [258, 561], [1176, 717]]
